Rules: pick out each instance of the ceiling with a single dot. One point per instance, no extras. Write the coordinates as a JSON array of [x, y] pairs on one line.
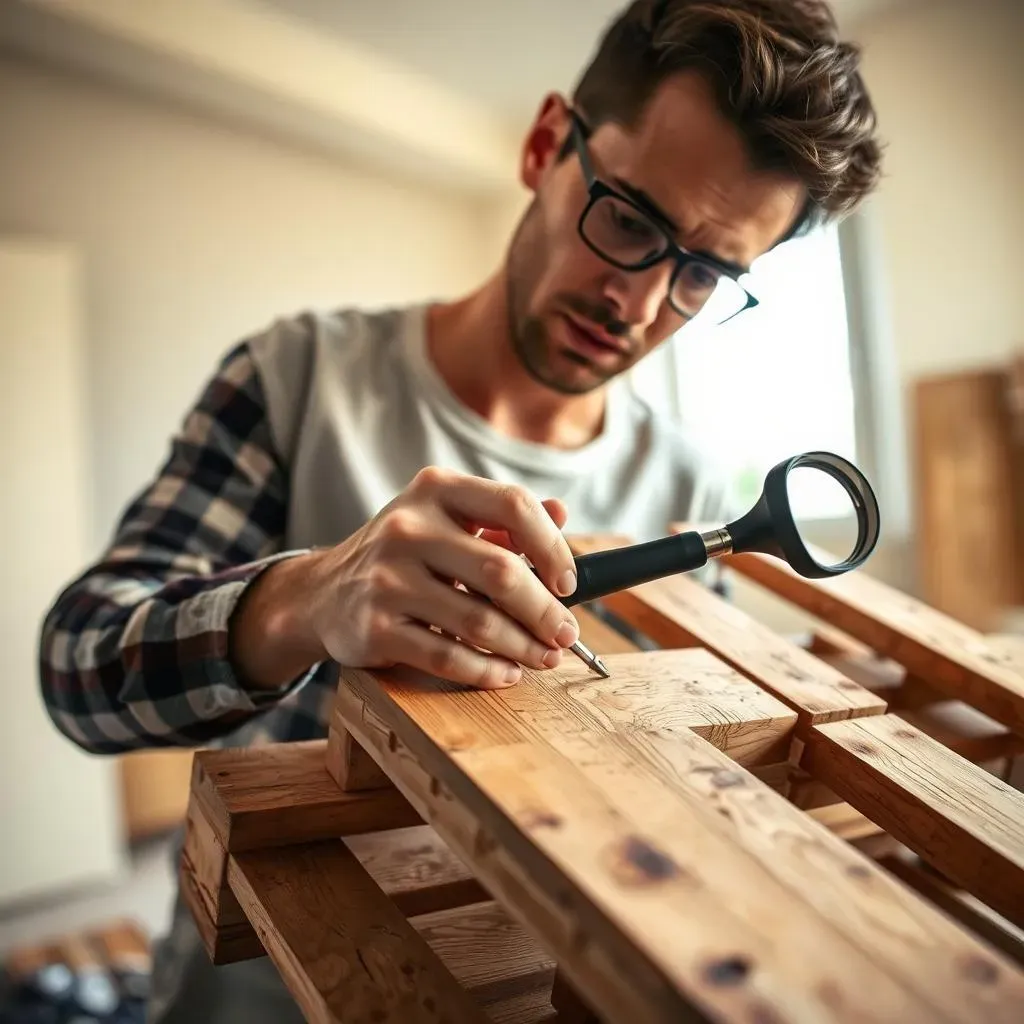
[[505, 54]]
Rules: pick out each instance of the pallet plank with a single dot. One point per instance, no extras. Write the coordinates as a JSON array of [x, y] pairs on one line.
[[343, 949], [655, 690], [952, 657], [964, 821], [282, 793], [616, 888], [678, 612], [492, 956], [350, 766], [221, 922], [996, 931], [788, 849], [667, 691], [698, 906], [417, 869]]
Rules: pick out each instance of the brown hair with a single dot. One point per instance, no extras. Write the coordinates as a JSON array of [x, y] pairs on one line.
[[780, 74]]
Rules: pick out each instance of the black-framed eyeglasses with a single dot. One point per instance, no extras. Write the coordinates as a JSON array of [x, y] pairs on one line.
[[627, 237]]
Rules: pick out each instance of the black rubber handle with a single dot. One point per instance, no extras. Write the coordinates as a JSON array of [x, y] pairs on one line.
[[607, 572]]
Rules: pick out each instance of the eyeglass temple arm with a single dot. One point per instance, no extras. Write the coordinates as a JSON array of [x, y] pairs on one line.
[[581, 148]]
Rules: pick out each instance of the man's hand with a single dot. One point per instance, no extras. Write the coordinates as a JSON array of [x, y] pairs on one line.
[[371, 600]]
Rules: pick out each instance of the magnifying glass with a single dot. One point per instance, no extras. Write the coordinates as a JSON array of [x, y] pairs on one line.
[[770, 527]]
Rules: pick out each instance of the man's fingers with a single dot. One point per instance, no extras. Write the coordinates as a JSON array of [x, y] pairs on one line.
[[505, 579], [557, 510], [477, 621], [429, 651], [527, 521]]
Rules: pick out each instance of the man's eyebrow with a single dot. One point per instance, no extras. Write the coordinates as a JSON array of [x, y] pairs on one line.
[[643, 200]]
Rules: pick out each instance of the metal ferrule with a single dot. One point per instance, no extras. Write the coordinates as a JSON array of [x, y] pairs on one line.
[[717, 542]]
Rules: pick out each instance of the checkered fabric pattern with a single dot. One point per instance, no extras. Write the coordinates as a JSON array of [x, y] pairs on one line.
[[134, 652]]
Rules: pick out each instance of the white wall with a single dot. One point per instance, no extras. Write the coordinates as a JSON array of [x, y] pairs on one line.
[[948, 81], [60, 820], [193, 233]]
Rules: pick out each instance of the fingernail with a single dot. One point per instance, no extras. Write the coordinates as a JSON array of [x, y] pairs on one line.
[[567, 583], [552, 658], [512, 674], [566, 635]]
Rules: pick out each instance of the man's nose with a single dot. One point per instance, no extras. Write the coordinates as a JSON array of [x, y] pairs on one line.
[[638, 296]]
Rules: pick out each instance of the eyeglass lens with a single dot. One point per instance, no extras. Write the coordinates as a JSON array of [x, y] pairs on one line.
[[624, 236]]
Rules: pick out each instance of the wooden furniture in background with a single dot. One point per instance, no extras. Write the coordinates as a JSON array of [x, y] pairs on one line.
[[732, 828], [154, 791], [969, 465]]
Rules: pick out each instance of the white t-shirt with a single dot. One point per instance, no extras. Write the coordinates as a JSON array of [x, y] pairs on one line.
[[357, 408]]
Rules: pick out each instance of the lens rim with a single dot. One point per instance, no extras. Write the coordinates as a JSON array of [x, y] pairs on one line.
[[856, 485]]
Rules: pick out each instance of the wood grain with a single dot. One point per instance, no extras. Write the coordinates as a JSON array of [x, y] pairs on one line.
[[950, 656], [655, 690], [343, 949], [631, 879], [819, 869], [282, 793], [678, 612], [958, 904], [668, 691], [417, 869], [519, 875], [350, 766], [697, 904], [953, 723], [493, 957], [965, 822], [221, 922], [965, 731]]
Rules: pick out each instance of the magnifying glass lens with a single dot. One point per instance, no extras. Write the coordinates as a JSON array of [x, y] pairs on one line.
[[823, 512]]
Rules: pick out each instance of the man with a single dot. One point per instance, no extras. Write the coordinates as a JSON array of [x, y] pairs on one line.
[[341, 471]]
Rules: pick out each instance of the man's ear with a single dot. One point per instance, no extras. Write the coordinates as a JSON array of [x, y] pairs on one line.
[[543, 141]]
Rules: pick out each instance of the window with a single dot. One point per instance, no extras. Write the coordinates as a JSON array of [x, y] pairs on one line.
[[773, 382]]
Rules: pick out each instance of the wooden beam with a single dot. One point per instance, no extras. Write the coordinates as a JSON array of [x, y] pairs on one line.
[[680, 612], [417, 869], [951, 657], [627, 852], [282, 793], [343, 949], [349, 765], [958, 904], [202, 872], [965, 822], [492, 956]]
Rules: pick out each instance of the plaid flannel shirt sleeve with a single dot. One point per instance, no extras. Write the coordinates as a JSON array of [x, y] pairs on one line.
[[134, 652]]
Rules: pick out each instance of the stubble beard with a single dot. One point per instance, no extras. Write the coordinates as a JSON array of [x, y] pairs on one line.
[[530, 339]]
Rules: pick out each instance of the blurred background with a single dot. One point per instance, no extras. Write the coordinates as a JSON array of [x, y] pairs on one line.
[[174, 175]]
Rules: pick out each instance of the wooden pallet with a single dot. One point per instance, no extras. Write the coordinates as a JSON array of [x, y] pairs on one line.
[[733, 827]]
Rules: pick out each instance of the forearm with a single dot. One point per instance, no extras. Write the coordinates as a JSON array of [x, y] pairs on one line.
[[270, 641], [128, 663]]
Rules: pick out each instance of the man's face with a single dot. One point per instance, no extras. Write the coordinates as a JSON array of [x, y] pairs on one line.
[[577, 321]]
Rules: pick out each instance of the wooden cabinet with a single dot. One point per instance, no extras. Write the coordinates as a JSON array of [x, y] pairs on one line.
[[970, 499], [154, 789]]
